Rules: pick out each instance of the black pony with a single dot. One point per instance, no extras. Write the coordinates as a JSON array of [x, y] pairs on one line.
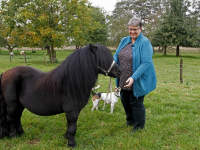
[[66, 89]]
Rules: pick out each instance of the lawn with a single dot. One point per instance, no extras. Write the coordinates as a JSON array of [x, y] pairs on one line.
[[172, 111]]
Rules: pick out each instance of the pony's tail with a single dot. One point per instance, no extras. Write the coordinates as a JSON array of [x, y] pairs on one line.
[[3, 113]]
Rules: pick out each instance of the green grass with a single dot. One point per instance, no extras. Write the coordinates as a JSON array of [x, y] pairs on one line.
[[172, 112]]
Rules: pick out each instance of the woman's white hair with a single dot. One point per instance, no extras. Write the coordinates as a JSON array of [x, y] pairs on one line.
[[135, 21]]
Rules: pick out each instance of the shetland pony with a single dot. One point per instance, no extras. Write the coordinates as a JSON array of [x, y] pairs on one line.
[[65, 89]]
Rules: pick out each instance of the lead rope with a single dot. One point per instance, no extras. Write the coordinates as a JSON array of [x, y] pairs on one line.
[[109, 89]]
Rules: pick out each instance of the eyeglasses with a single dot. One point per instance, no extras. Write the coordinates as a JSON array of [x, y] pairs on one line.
[[134, 30]]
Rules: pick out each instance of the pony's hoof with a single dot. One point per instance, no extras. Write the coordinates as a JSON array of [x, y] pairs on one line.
[[2, 136], [13, 135], [72, 146], [71, 143], [20, 133]]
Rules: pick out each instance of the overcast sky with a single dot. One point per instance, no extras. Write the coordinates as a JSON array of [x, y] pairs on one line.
[[108, 5]]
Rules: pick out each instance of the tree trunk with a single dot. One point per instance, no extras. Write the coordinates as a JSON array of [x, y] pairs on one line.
[[53, 54], [177, 50], [10, 49], [48, 50], [159, 49], [78, 47], [165, 50]]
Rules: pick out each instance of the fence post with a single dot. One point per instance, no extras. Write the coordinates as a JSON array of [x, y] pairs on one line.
[[181, 71], [45, 60], [25, 57]]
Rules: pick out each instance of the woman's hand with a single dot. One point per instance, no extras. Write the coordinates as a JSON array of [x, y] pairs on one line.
[[129, 81]]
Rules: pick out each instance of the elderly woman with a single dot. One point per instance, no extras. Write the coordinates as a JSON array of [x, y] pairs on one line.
[[134, 55]]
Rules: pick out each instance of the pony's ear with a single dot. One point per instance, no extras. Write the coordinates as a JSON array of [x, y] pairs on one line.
[[93, 48]]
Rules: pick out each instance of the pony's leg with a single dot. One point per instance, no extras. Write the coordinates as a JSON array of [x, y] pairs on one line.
[[13, 118], [72, 118], [11, 122], [14, 107], [18, 125]]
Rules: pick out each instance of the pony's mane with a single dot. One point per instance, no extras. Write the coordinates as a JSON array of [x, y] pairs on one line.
[[78, 72]]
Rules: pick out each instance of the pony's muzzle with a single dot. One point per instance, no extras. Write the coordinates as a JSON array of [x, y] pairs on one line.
[[119, 70]]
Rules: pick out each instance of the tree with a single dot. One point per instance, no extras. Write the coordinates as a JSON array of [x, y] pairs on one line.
[[154, 10], [174, 26], [8, 34], [119, 22], [193, 25], [148, 11], [100, 32], [49, 23], [38, 25], [166, 22], [178, 21], [78, 24]]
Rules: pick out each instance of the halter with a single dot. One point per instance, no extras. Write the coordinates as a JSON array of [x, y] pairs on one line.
[[110, 83], [107, 72]]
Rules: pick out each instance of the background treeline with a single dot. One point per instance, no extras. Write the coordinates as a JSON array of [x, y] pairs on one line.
[[59, 23]]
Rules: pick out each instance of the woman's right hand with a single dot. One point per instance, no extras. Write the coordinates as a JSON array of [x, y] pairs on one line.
[[129, 81]]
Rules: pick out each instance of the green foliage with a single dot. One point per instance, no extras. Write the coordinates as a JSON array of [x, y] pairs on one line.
[[78, 24], [7, 25], [166, 22], [178, 26], [2, 42], [42, 22], [52, 23], [172, 114], [118, 21], [193, 28], [100, 32], [148, 11]]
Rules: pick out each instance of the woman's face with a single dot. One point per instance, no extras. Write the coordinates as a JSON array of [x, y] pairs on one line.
[[134, 32]]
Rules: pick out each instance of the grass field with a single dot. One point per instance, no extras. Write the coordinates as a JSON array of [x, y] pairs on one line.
[[172, 112]]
